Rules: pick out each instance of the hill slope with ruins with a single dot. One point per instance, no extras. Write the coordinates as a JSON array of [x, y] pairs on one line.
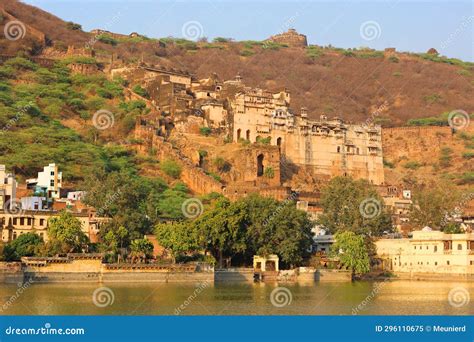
[[239, 117], [352, 84]]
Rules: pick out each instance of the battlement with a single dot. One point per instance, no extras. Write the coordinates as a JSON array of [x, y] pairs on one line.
[[290, 38]]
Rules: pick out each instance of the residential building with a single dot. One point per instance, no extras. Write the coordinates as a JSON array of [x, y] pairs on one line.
[[429, 251], [27, 221], [7, 189], [48, 183]]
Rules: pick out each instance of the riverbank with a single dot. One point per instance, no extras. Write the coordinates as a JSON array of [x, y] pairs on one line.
[[90, 268]]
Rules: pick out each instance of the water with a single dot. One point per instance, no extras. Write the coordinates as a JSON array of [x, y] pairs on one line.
[[398, 297]]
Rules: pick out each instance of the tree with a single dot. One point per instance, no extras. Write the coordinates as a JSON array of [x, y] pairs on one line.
[[278, 228], [353, 205], [254, 225], [67, 231], [24, 246], [129, 200], [433, 204], [114, 238], [352, 251], [176, 237], [222, 230], [141, 249]]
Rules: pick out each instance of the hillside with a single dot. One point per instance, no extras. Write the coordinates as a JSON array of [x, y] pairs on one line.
[[356, 84]]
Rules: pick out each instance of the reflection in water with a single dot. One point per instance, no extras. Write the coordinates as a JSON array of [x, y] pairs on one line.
[[398, 297]]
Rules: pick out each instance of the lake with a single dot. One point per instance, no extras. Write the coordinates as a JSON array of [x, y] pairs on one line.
[[394, 297]]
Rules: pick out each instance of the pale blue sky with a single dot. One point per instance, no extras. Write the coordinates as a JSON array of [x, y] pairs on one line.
[[413, 26]]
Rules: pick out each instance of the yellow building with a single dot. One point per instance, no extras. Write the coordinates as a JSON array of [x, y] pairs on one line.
[[14, 225], [324, 147], [429, 252]]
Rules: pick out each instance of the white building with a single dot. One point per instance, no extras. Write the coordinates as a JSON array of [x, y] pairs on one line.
[[50, 180], [7, 189], [75, 195], [33, 203], [429, 251]]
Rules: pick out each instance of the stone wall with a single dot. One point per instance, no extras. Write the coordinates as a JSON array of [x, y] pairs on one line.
[[416, 143], [197, 180], [323, 275]]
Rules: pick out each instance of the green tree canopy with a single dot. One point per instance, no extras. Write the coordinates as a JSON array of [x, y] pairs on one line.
[[352, 251], [353, 205], [142, 247], [249, 226], [25, 245], [67, 230], [433, 204]]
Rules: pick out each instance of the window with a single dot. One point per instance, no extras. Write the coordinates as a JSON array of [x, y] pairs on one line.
[[41, 222], [51, 182], [22, 221], [459, 247], [471, 262], [436, 263], [52, 173], [447, 262], [435, 248], [426, 247]]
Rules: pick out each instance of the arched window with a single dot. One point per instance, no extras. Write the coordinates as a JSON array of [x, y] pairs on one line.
[[339, 149], [239, 132], [260, 165], [278, 142]]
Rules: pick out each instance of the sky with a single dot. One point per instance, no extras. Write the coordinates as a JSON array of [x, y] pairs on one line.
[[415, 26]]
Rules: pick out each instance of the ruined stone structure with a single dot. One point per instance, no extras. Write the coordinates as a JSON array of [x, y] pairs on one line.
[[167, 87], [324, 147], [83, 68], [290, 38]]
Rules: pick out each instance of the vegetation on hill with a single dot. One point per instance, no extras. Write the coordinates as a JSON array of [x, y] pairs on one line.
[[325, 79], [35, 104]]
